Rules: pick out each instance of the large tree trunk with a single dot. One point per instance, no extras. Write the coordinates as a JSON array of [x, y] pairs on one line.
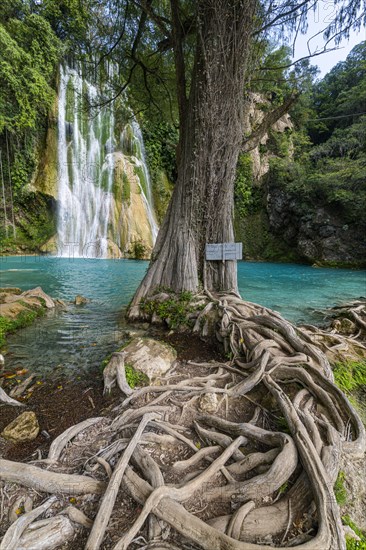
[[211, 134]]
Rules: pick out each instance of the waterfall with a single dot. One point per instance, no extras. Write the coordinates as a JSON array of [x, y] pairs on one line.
[[86, 162]]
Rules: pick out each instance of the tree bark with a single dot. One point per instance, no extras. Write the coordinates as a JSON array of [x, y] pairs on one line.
[[211, 135]]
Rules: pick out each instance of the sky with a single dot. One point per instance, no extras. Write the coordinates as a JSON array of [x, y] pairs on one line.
[[317, 22]]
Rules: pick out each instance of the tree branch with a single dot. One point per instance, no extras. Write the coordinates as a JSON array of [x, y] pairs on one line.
[[270, 118]]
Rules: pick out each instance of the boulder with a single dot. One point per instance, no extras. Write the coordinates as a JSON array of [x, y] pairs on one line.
[[24, 428], [80, 300], [149, 356], [38, 293]]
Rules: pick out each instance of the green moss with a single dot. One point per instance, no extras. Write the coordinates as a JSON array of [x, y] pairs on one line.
[[340, 491], [162, 190], [126, 188], [282, 490], [141, 176], [134, 377]]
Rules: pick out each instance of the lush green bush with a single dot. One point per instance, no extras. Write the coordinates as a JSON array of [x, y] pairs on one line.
[[174, 310], [138, 250]]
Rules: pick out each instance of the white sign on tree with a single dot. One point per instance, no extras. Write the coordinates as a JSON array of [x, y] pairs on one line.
[[224, 251]]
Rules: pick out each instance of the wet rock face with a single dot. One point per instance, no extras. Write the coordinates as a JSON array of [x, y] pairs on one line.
[[149, 356], [24, 428], [318, 233]]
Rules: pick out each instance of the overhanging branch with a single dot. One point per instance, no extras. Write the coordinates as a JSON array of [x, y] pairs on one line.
[[270, 118]]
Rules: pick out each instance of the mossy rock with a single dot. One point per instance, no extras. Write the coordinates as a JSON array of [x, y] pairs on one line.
[[150, 357]]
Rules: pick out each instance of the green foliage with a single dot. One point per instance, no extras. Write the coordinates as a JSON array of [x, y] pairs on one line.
[[161, 139], [175, 310], [138, 250], [139, 172], [243, 185], [340, 491], [36, 224], [30, 52], [353, 544], [134, 377], [23, 319], [328, 166], [350, 376], [126, 188]]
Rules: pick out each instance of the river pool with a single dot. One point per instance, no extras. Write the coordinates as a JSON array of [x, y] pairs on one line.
[[78, 339]]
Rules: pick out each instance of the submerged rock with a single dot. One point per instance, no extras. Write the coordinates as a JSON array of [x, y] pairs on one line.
[[80, 300], [24, 428], [149, 356]]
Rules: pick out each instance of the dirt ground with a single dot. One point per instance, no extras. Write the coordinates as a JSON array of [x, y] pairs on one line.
[[65, 402]]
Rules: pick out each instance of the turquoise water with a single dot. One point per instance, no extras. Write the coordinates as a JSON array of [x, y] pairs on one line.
[[81, 337]]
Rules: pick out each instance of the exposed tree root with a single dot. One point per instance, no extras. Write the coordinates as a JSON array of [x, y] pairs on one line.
[[238, 480], [4, 398], [48, 482]]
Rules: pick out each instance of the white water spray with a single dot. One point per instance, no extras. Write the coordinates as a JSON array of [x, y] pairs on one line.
[[86, 145]]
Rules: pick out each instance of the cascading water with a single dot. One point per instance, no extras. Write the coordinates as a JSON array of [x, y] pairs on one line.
[[86, 163]]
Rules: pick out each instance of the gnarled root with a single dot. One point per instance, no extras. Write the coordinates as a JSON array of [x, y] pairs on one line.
[[245, 475]]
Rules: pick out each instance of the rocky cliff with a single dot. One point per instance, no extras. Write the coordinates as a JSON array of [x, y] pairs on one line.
[[286, 222]]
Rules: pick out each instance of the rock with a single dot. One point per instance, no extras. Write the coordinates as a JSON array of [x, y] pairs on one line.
[[2, 360], [80, 300], [156, 320], [209, 403], [113, 252], [60, 303], [50, 246], [24, 428], [38, 293], [149, 356]]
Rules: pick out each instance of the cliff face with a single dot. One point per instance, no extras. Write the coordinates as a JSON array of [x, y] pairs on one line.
[[317, 233], [281, 224]]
